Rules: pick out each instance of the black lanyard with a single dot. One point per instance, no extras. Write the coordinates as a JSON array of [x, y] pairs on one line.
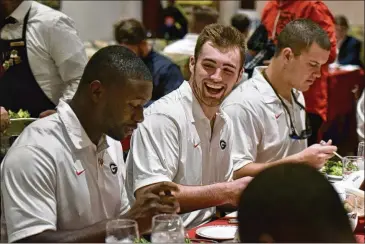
[[305, 133]]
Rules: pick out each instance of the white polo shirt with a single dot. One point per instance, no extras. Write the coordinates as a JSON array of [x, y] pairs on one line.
[[52, 180], [261, 125], [175, 143]]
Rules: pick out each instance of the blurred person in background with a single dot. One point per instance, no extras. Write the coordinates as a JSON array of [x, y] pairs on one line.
[[242, 23], [292, 203], [166, 75], [42, 57], [201, 17], [275, 15], [348, 47], [175, 22]]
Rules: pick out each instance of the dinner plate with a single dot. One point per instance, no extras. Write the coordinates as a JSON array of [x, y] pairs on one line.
[[232, 215], [217, 232], [334, 177]]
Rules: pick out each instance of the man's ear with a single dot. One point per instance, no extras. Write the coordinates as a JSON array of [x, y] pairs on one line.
[[97, 90], [192, 63], [287, 55], [240, 75]]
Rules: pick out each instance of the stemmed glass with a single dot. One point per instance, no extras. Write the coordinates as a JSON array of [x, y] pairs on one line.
[[361, 153], [351, 164], [167, 228], [122, 231]]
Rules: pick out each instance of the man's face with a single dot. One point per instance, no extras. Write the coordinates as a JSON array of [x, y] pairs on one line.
[[122, 107], [304, 69], [214, 73]]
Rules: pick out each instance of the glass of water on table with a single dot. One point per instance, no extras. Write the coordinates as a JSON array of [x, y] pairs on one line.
[[167, 228], [351, 164], [122, 231]]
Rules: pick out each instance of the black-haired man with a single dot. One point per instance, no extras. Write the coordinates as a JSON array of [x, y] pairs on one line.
[[63, 178]]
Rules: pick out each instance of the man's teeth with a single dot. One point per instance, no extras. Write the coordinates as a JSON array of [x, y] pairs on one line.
[[214, 86]]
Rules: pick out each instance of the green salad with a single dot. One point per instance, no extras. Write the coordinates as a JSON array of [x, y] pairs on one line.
[[21, 114], [333, 167]]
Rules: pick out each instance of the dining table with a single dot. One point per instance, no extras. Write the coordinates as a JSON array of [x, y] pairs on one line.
[[359, 231]]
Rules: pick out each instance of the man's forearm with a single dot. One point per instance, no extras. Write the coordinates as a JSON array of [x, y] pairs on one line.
[[94, 233], [199, 197], [253, 168]]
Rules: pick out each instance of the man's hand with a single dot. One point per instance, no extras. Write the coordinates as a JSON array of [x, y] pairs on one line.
[[236, 187], [47, 113], [317, 155], [4, 119], [157, 199]]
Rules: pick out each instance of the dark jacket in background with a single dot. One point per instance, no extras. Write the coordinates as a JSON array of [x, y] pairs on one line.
[[166, 75], [349, 52]]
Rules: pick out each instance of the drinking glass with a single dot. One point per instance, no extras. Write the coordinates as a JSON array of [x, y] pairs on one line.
[[361, 149], [350, 204], [351, 164], [122, 231], [361, 153], [167, 228]]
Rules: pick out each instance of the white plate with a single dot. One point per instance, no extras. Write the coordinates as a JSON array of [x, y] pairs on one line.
[[217, 232], [334, 177], [232, 215]]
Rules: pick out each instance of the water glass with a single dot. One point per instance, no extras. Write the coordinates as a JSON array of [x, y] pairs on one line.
[[361, 153], [351, 164], [167, 228], [350, 204], [122, 231]]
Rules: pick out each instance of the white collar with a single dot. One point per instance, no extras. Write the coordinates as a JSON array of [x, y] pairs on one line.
[[22, 10], [264, 87], [75, 130], [192, 105]]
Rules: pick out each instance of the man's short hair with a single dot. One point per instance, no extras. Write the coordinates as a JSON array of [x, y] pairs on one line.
[[222, 37], [300, 34], [341, 20], [293, 203], [129, 31], [115, 64], [203, 16], [241, 22]]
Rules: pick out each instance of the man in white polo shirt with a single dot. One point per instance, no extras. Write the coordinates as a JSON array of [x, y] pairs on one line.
[[268, 114], [63, 178], [185, 138]]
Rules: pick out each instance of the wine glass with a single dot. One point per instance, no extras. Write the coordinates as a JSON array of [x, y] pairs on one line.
[[351, 206], [361, 153], [351, 164], [121, 231], [167, 228]]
